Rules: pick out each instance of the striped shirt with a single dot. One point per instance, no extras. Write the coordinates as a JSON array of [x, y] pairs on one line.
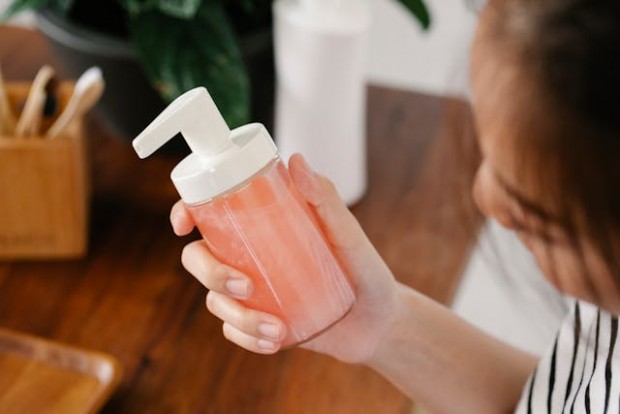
[[580, 373]]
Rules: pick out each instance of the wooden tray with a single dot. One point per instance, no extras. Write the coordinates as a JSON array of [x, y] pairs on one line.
[[41, 376]]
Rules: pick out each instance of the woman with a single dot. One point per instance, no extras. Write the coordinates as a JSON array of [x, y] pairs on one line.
[[545, 83]]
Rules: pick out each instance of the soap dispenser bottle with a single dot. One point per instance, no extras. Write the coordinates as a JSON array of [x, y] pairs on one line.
[[252, 217]]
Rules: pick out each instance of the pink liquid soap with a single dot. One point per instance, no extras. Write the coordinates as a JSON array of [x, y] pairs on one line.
[[266, 230]]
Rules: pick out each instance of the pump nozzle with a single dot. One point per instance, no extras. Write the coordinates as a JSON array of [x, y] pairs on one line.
[[221, 159], [196, 117]]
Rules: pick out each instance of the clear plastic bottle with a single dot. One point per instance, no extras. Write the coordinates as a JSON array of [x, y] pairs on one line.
[[244, 204]]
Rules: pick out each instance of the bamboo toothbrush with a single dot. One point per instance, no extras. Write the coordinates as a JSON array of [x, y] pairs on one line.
[[88, 89], [30, 119]]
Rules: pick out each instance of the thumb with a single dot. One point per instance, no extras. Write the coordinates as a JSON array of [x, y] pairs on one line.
[[340, 226]]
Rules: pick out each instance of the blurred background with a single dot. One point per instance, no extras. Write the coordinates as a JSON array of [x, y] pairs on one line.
[[501, 290], [433, 61]]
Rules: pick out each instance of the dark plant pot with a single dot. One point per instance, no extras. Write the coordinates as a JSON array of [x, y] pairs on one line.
[[129, 102]]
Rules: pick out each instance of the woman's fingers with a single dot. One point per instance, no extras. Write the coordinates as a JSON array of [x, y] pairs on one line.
[[340, 226], [182, 223], [253, 330], [199, 261], [251, 343], [215, 276]]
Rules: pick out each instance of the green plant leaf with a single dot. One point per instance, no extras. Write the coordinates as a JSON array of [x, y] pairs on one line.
[[419, 10], [135, 7], [62, 5], [181, 54], [18, 6], [182, 9]]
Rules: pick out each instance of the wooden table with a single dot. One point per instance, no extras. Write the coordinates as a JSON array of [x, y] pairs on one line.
[[131, 298]]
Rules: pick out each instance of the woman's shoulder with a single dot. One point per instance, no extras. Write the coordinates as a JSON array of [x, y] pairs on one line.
[[581, 370]]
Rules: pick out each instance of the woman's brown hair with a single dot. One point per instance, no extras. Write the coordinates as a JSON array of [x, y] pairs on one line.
[[570, 52]]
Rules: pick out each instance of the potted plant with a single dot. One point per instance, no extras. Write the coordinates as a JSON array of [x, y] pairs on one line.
[[153, 50]]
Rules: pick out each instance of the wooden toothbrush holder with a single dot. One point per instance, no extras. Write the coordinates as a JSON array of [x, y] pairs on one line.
[[44, 188]]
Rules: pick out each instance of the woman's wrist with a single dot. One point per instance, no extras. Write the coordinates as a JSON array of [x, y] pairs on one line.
[[390, 335]]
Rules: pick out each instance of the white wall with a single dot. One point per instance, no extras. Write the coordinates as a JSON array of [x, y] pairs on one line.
[[403, 56]]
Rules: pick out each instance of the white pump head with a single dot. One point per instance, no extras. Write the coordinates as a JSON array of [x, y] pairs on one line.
[[221, 159], [194, 115]]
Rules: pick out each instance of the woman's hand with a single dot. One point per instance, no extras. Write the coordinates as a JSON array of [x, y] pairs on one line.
[[355, 337]]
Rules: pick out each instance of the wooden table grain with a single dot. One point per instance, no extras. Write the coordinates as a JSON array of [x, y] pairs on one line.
[[131, 298]]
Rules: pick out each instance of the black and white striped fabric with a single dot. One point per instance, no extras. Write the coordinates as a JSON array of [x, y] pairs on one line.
[[580, 373]]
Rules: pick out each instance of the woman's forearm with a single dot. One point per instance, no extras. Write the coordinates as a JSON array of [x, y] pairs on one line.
[[446, 364]]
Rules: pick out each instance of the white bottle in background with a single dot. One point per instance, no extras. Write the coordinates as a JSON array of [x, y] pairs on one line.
[[320, 49]]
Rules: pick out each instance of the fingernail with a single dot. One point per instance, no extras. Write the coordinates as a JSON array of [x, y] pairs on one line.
[[238, 287], [269, 330], [267, 345], [174, 219], [307, 170]]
